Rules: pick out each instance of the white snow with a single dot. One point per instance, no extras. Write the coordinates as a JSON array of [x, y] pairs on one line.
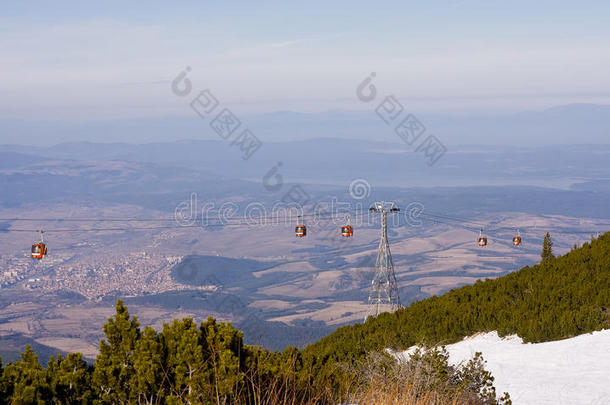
[[570, 371]]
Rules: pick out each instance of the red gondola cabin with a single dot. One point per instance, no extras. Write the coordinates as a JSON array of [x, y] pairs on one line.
[[482, 239], [347, 231], [300, 231], [39, 250]]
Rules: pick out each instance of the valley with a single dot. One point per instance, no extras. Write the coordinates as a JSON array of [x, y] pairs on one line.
[[127, 241]]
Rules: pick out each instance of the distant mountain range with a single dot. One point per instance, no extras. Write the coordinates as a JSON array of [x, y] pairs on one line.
[[561, 125], [339, 161]]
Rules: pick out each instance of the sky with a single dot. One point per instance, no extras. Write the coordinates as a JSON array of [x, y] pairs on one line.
[[76, 61]]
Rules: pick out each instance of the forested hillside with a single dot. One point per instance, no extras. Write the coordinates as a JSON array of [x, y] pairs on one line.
[[556, 299]]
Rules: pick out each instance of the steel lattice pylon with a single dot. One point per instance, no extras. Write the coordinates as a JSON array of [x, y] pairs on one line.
[[384, 289]]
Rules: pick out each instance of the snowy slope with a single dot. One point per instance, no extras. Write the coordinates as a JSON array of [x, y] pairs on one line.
[[570, 371]]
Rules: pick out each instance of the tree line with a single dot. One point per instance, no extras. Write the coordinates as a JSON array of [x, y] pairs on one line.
[[187, 363], [184, 363]]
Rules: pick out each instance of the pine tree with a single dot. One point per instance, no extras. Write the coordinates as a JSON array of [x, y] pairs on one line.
[[3, 387], [189, 371], [114, 365], [223, 347], [149, 364], [70, 379], [25, 380], [547, 248]]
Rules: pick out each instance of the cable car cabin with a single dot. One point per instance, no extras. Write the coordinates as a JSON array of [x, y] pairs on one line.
[[482, 241], [517, 241], [347, 231], [300, 231], [39, 250]]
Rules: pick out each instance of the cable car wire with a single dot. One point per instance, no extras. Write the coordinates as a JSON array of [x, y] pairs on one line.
[[263, 220]]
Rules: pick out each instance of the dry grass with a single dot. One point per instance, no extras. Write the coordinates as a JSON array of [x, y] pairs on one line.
[[425, 379], [410, 395]]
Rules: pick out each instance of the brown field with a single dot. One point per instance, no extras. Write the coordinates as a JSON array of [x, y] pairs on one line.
[[430, 259]]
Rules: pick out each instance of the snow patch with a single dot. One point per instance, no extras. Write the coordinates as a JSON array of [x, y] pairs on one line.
[[570, 371]]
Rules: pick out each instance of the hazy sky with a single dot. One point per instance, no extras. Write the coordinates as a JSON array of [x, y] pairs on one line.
[[75, 61]]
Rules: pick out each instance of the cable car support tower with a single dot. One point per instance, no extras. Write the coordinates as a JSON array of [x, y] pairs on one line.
[[384, 289]]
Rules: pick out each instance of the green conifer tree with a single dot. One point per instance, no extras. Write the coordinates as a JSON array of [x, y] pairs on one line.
[[149, 365], [25, 380], [3, 397], [547, 248], [70, 379], [189, 371], [224, 346], [114, 365]]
